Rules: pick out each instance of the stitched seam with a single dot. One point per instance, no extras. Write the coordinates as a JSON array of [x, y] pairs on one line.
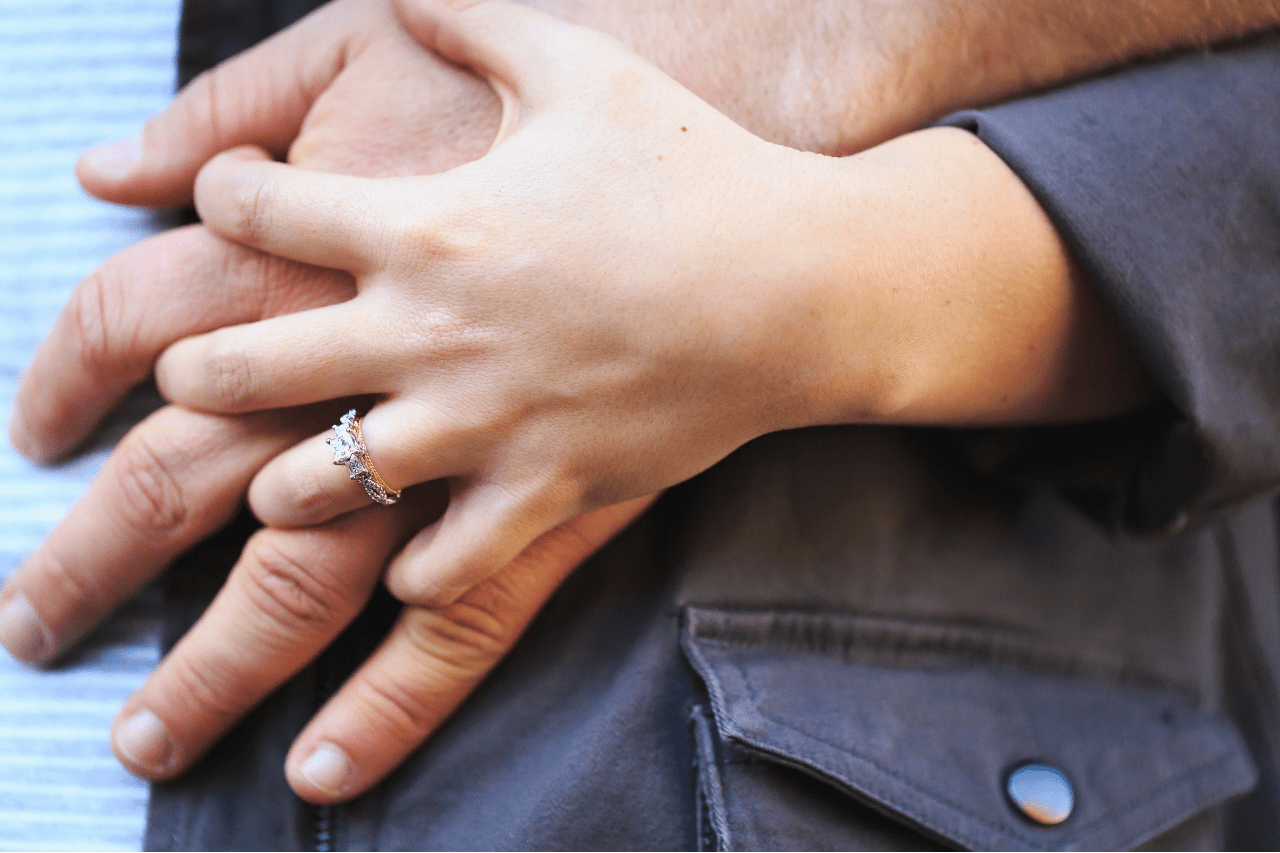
[[719, 705], [1251, 646], [710, 785], [999, 650], [751, 692], [1106, 816]]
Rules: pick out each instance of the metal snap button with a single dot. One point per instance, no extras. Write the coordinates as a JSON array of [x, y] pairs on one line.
[[1042, 793]]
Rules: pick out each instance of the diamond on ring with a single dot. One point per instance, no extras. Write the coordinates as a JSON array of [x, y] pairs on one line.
[[349, 449]]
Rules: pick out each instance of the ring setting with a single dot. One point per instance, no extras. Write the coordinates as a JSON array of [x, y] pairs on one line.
[[349, 449]]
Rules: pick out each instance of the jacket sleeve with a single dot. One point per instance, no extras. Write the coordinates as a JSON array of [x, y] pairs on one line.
[[1165, 182]]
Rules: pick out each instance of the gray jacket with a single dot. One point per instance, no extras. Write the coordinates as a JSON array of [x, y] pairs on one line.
[[850, 637]]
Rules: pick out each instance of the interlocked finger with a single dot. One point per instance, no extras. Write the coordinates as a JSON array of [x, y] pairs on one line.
[[484, 528], [289, 595], [433, 660], [172, 481], [121, 318], [314, 217], [406, 444]]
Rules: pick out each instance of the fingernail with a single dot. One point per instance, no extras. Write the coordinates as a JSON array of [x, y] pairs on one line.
[[22, 632], [329, 769], [113, 160], [145, 741]]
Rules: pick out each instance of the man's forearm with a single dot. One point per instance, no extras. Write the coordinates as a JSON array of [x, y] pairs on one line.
[[970, 53], [837, 77]]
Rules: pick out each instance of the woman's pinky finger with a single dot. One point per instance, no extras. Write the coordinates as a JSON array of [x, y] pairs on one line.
[[486, 526], [432, 660]]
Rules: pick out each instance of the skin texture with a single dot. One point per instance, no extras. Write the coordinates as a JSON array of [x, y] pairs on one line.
[[731, 296], [179, 475]]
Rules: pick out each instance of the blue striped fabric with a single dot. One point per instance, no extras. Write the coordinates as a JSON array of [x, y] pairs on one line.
[[72, 72]]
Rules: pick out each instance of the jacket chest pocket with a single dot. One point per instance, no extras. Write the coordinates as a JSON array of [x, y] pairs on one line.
[[839, 732]]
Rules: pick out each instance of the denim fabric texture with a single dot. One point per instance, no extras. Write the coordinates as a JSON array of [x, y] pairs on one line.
[[1189, 262], [847, 637]]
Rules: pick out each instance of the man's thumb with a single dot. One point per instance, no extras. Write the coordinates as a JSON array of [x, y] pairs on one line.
[[257, 98]]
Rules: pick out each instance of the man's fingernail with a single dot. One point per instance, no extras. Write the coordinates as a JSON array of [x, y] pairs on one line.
[[22, 632], [145, 741], [19, 437], [113, 160], [329, 769]]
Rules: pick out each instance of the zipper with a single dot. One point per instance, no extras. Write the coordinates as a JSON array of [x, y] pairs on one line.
[[322, 828], [326, 825], [323, 821]]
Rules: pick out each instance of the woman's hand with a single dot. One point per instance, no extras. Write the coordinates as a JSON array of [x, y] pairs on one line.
[[606, 304], [181, 473], [625, 289], [178, 476]]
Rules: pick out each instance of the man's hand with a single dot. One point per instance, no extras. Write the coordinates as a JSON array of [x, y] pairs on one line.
[[178, 476], [347, 91], [344, 90], [830, 76], [290, 594]]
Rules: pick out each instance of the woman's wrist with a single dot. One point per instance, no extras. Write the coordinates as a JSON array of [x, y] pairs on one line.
[[949, 298]]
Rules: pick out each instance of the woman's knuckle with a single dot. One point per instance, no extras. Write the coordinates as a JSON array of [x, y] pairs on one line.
[[419, 588], [450, 234], [447, 335], [152, 496], [309, 491], [253, 200], [424, 228]]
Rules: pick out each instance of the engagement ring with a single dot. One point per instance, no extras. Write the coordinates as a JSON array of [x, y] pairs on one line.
[[349, 449]]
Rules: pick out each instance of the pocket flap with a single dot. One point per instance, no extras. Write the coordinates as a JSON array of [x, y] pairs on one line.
[[926, 722]]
